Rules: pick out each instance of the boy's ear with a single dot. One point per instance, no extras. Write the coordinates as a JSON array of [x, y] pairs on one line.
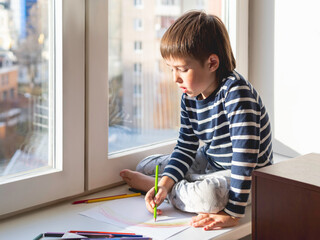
[[214, 62]]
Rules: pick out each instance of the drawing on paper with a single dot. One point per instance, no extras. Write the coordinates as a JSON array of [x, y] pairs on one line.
[[162, 221], [131, 215]]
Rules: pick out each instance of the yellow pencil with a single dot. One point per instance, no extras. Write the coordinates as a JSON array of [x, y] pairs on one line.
[[107, 198], [114, 197]]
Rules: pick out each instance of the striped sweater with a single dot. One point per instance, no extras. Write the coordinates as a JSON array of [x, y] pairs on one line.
[[234, 125]]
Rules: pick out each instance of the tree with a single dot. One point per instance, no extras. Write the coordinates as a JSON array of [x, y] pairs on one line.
[[29, 50]]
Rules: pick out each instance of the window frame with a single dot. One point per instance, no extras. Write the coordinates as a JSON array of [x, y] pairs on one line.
[[236, 16], [44, 185], [103, 168], [86, 164]]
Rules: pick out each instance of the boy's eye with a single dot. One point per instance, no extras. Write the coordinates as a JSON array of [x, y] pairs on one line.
[[179, 69], [182, 69]]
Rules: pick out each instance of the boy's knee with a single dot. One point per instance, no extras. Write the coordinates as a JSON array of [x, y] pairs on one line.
[[208, 195], [215, 195], [147, 165]]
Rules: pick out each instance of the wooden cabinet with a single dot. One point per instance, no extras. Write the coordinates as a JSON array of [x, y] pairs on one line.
[[286, 200]]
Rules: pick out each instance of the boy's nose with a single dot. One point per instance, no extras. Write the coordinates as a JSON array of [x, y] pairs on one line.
[[176, 77]]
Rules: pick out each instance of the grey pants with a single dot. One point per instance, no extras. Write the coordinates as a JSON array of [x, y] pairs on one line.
[[204, 188]]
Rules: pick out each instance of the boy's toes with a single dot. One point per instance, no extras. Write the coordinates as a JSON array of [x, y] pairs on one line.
[[124, 172]]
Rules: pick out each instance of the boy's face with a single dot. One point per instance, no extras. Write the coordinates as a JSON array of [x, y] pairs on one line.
[[192, 77]]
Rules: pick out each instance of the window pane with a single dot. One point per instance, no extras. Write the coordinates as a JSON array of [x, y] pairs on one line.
[[25, 115], [144, 102]]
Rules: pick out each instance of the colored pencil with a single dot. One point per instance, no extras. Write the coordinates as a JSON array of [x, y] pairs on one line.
[[91, 235], [129, 238], [82, 234], [107, 198], [137, 191], [38, 237], [85, 238], [155, 192], [125, 238], [99, 232], [49, 234], [85, 201]]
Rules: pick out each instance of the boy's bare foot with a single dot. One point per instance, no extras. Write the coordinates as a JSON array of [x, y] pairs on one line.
[[137, 180]]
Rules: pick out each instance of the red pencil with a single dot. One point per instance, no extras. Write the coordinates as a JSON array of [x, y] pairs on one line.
[[86, 200], [73, 231]]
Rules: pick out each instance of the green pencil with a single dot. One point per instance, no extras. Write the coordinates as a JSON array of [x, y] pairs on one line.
[[155, 192]]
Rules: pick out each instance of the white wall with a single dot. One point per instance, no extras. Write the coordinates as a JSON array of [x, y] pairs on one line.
[[284, 50], [297, 82], [261, 51]]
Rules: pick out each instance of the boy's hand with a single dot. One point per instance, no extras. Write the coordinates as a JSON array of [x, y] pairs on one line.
[[164, 187], [211, 221], [151, 200]]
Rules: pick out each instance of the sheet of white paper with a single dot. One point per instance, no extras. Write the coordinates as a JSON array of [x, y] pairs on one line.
[[71, 235], [131, 214]]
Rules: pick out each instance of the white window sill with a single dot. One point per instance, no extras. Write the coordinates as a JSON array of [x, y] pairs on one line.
[[65, 216]]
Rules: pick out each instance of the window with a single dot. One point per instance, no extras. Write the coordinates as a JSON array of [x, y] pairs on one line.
[[137, 112], [138, 24], [137, 68], [137, 90], [4, 78], [138, 3], [118, 101], [137, 46], [24, 148], [12, 93], [200, 3], [168, 2], [138, 126], [160, 102], [4, 96], [34, 153]]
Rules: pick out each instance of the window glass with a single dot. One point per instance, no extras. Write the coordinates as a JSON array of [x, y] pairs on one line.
[[144, 102], [24, 87], [138, 3]]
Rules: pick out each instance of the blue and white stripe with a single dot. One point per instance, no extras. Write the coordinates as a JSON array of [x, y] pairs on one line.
[[234, 125]]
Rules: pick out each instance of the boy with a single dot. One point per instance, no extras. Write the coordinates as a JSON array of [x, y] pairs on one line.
[[218, 107]]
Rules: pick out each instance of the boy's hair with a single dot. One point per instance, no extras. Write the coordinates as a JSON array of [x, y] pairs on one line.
[[198, 35]]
